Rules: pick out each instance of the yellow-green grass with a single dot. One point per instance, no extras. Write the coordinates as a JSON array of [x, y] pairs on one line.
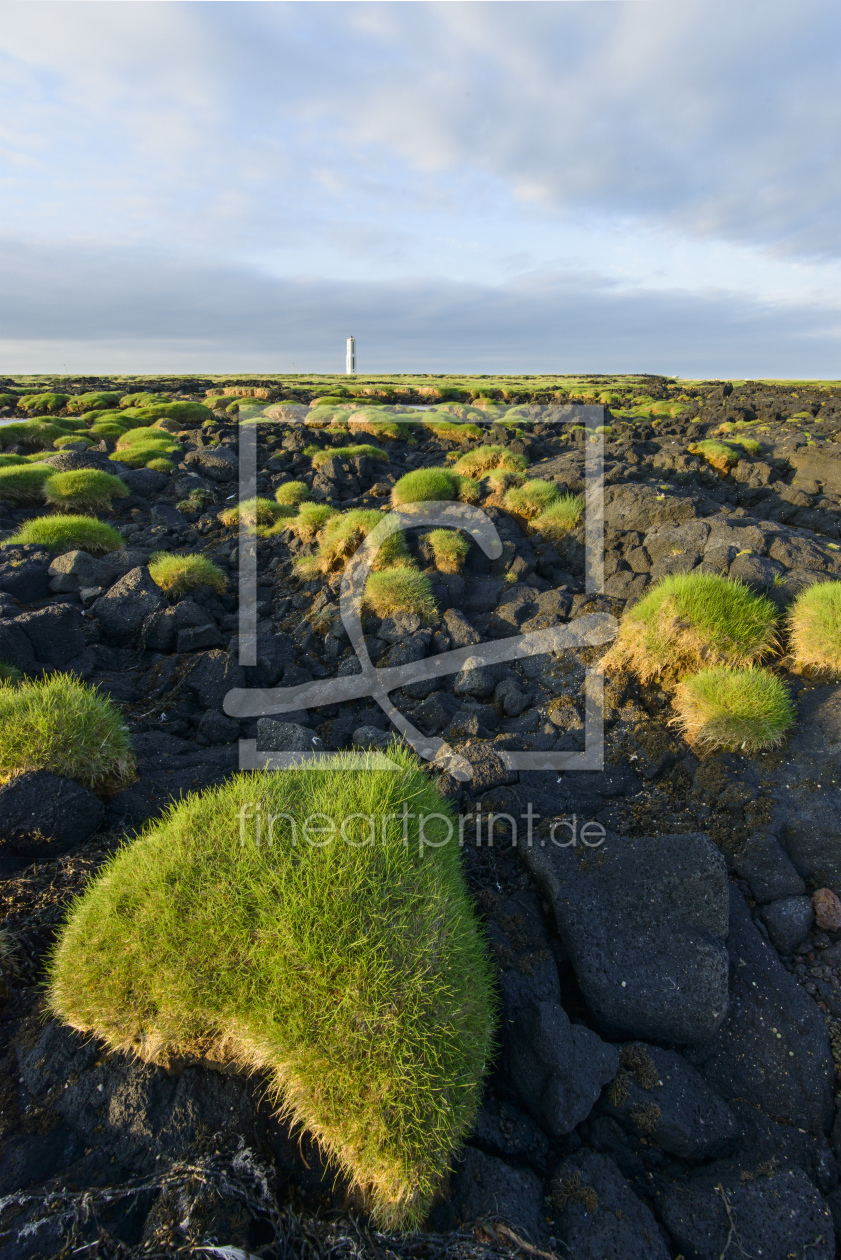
[[38, 435], [433, 485], [718, 455], [253, 513], [10, 673], [141, 400], [562, 515], [95, 400], [690, 621], [814, 627], [480, 461], [83, 490], [733, 710], [400, 589], [176, 575], [353, 975], [68, 533], [12, 461], [146, 435], [379, 423], [320, 456], [292, 493], [449, 431], [62, 725], [449, 548], [341, 535], [160, 464], [72, 439], [43, 404], [748, 444], [24, 484], [531, 499], [311, 518]]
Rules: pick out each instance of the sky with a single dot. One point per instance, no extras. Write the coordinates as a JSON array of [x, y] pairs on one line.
[[560, 186]]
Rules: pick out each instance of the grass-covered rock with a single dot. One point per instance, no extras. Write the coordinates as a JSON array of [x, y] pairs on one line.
[[733, 710], [561, 516], [814, 626], [68, 533], [311, 518], [38, 435], [350, 969], [23, 484], [94, 400], [176, 575], [689, 621], [718, 455], [138, 447], [482, 459], [341, 535], [62, 725], [45, 404], [531, 499], [400, 589], [433, 485], [449, 549], [254, 513], [83, 490], [320, 456], [292, 493]]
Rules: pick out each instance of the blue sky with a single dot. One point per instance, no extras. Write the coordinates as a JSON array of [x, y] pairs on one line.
[[587, 185]]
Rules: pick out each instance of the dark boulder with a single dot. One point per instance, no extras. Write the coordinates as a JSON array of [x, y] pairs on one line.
[[597, 1216], [130, 602], [15, 647], [56, 633], [486, 1187], [644, 921], [26, 579], [789, 921], [658, 1096], [42, 815], [773, 1048], [214, 674], [768, 1211]]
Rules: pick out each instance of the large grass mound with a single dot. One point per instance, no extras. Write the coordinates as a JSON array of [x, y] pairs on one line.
[[68, 533], [62, 725], [83, 490], [814, 625], [689, 621], [352, 973], [733, 710]]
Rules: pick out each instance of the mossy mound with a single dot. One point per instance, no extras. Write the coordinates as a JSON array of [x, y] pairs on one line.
[[690, 621], [46, 404], [95, 400], [24, 484], [84, 490], [176, 575], [62, 725], [733, 710], [68, 533], [350, 970], [814, 626]]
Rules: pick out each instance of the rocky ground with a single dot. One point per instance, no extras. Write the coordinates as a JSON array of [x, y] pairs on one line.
[[670, 1024]]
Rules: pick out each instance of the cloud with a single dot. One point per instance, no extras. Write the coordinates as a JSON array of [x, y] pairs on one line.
[[122, 312]]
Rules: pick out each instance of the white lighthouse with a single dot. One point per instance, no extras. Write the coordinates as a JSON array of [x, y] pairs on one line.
[[350, 366]]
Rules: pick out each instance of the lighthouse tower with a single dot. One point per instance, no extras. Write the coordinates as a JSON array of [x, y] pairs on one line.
[[350, 366]]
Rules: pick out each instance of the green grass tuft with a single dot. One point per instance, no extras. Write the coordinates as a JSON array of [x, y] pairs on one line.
[[84, 490], [43, 404], [24, 484], [482, 459], [400, 589], [531, 499], [62, 725], [748, 444], [448, 431], [176, 575], [450, 549], [425, 485], [254, 513], [68, 533], [160, 464], [311, 518], [353, 974], [95, 400], [689, 621], [733, 710], [292, 493], [320, 456], [562, 515], [718, 455], [71, 439], [341, 535], [12, 461], [10, 673], [38, 435], [814, 626]]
